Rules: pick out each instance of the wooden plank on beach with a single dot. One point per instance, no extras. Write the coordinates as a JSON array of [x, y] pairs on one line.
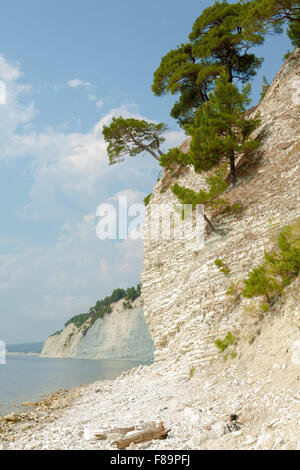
[[148, 425], [154, 432]]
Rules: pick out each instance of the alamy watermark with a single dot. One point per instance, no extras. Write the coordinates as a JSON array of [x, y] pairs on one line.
[[2, 352], [163, 222]]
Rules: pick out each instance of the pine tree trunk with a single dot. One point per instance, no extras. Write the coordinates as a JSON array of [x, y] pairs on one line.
[[211, 225]]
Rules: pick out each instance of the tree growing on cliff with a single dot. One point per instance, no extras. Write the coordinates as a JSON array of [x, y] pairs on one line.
[[220, 130], [211, 198], [260, 282], [218, 36], [217, 44], [270, 15], [180, 72], [132, 137]]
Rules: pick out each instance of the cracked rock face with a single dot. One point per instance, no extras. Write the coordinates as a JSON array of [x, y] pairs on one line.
[[185, 304]]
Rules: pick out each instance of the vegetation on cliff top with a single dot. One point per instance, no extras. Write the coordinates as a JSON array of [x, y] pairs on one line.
[[103, 307]]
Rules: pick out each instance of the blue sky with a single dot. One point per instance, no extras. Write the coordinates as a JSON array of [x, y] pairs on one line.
[[69, 66]]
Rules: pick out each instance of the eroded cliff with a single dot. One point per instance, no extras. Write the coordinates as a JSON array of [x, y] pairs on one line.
[[185, 301]]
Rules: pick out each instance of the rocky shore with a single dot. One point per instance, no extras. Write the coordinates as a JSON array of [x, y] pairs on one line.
[[195, 404]]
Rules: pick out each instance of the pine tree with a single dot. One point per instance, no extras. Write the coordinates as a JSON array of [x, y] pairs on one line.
[[218, 36], [132, 137], [294, 31], [220, 130], [211, 198], [180, 73], [216, 44], [270, 15], [260, 282]]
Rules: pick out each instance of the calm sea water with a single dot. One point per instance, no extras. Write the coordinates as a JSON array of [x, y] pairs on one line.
[[27, 378]]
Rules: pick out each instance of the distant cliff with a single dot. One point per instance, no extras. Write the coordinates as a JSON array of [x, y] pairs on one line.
[[122, 334]]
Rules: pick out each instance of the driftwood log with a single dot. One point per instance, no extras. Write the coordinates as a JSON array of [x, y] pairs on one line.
[[154, 432], [139, 427]]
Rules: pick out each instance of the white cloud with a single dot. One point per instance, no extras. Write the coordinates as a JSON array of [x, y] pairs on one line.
[[56, 282], [69, 177], [77, 82], [99, 104], [132, 196]]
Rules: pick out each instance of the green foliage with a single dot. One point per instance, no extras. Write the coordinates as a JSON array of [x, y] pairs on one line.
[[57, 333], [127, 304], [223, 268], [78, 320], [281, 266], [285, 260], [265, 307], [232, 289], [294, 31], [220, 131], [217, 44], [265, 87], [181, 73], [131, 137], [270, 16], [227, 341], [133, 293], [173, 156], [260, 282], [287, 55], [68, 339], [218, 35], [147, 199], [217, 185], [192, 372], [103, 307]]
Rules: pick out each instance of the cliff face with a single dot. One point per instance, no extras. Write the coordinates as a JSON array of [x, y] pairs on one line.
[[185, 304], [121, 335]]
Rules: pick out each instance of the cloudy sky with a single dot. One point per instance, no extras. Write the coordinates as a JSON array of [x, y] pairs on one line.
[[68, 67]]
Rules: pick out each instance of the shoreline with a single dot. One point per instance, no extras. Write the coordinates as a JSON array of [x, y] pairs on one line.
[[12, 353], [34, 400], [196, 408], [42, 356]]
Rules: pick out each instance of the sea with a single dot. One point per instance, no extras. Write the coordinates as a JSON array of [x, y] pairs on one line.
[[29, 377]]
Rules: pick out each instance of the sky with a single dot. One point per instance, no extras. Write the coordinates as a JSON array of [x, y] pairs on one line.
[[69, 66]]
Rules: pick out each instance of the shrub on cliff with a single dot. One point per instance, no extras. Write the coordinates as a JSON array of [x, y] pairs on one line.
[[147, 199], [211, 198], [78, 320], [173, 156], [260, 282], [281, 266], [285, 260]]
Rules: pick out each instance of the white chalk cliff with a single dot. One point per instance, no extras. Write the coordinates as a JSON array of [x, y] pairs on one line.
[[122, 334], [184, 293]]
